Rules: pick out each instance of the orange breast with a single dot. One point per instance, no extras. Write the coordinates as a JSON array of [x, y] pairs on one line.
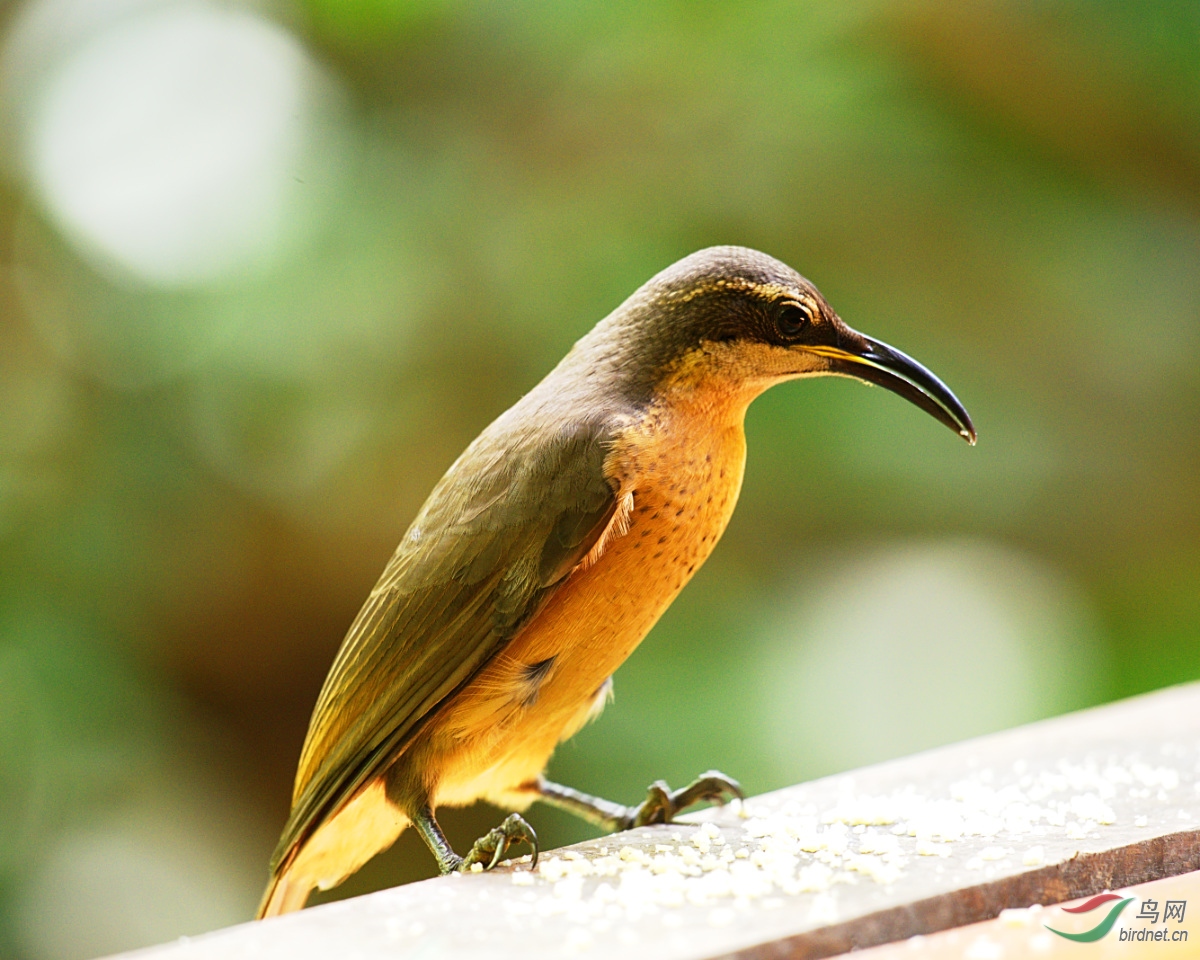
[[684, 464]]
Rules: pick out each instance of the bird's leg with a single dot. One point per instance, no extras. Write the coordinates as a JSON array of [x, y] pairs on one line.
[[662, 804], [488, 849], [448, 861], [605, 814]]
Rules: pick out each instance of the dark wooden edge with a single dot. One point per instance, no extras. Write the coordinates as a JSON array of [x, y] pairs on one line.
[[1081, 876]]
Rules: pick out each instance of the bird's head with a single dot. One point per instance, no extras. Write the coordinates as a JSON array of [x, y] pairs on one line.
[[736, 316]]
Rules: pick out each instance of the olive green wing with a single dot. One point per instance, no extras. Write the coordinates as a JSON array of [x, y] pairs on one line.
[[499, 533]]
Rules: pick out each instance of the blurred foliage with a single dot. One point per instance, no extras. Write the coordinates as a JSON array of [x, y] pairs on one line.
[[199, 485]]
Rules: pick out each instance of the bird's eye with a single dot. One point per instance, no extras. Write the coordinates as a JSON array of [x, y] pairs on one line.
[[792, 319]]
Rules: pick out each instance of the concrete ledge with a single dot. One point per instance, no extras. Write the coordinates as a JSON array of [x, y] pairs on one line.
[[1050, 812]]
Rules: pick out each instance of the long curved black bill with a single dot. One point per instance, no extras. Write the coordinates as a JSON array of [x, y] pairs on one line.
[[887, 367]]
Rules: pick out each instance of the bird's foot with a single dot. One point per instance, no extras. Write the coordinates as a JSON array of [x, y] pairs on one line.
[[491, 847], [662, 804]]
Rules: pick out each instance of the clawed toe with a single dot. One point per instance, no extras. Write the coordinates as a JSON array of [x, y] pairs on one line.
[[713, 786], [489, 849], [662, 804]]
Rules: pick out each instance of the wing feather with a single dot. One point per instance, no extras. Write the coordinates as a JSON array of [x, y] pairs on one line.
[[499, 533]]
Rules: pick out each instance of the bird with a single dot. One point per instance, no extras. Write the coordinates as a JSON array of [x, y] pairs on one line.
[[544, 556]]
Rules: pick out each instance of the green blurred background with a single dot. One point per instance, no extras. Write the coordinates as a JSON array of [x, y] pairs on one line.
[[266, 268]]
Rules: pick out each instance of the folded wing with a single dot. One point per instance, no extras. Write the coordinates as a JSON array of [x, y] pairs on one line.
[[498, 535]]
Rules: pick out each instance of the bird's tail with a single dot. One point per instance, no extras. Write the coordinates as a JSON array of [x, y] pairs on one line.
[[283, 895], [365, 826]]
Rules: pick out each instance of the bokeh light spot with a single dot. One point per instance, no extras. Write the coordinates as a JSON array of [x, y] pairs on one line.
[[921, 645], [170, 143]]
